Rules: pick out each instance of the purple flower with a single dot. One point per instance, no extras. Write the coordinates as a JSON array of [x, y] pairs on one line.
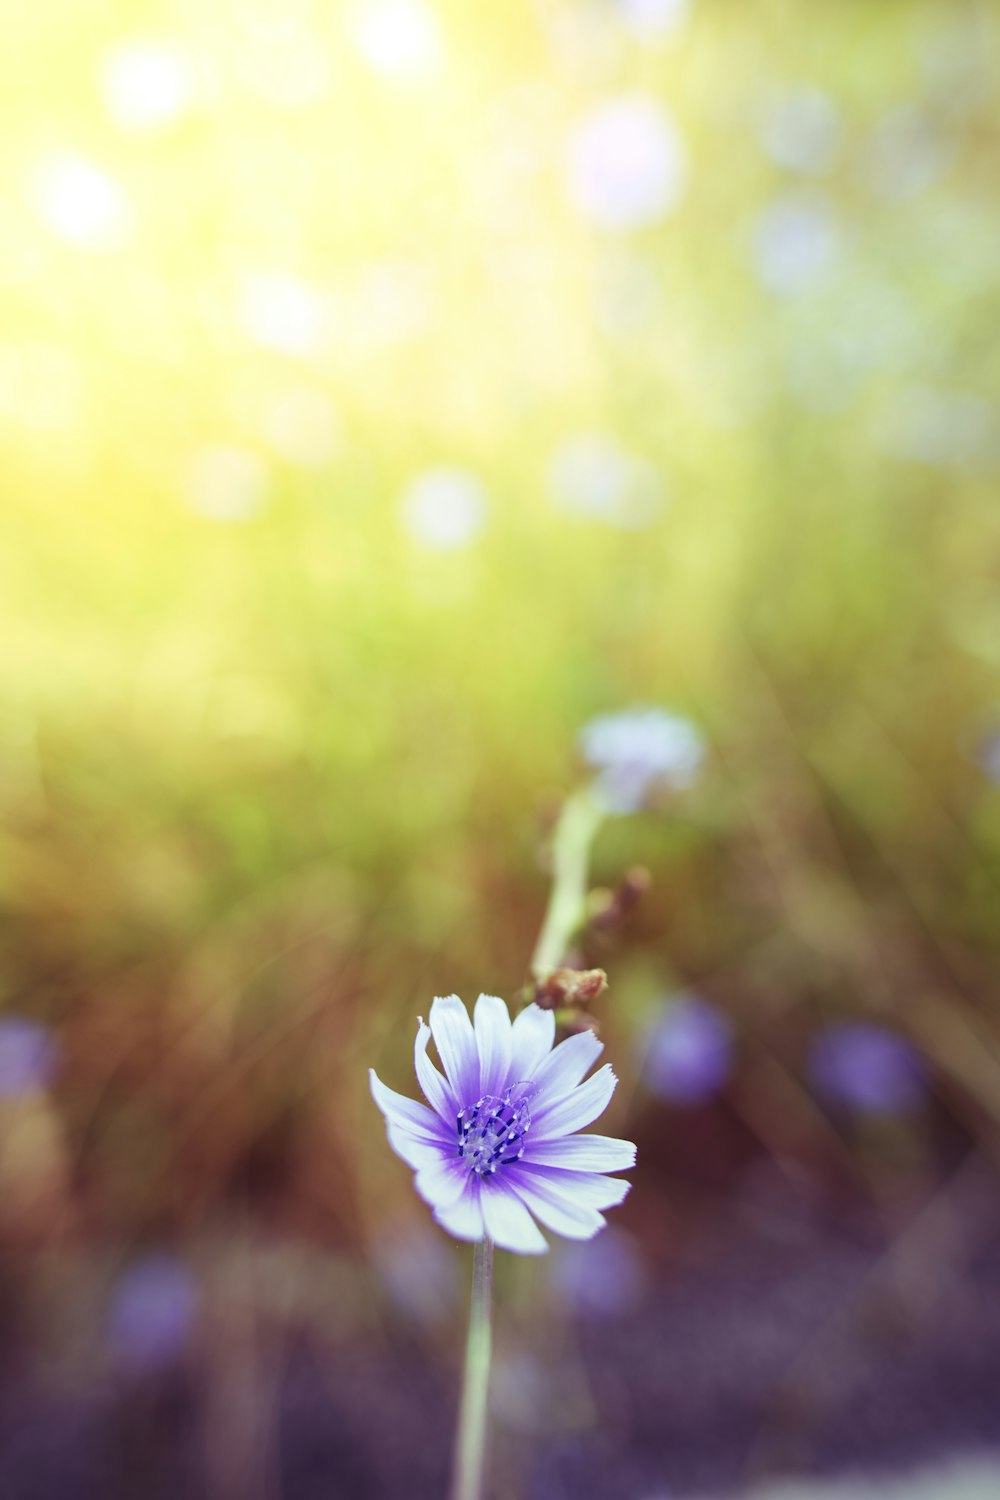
[[498, 1143], [688, 1053], [635, 749], [419, 1273], [29, 1056], [867, 1067], [601, 1279], [152, 1311], [989, 755]]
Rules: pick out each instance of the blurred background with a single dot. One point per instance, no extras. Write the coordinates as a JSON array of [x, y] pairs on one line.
[[386, 389]]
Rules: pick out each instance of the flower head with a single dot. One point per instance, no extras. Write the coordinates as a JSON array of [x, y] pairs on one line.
[[635, 749], [152, 1312], [688, 1051], [868, 1068], [498, 1146], [29, 1056]]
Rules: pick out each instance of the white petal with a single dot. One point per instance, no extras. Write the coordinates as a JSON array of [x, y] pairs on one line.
[[584, 1153], [493, 1041], [589, 1189], [558, 1210], [435, 1090], [532, 1035], [456, 1044], [441, 1182], [464, 1217], [415, 1152], [415, 1118], [563, 1068], [509, 1223], [577, 1109]]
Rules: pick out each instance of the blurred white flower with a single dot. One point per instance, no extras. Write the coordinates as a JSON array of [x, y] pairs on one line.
[[146, 85], [795, 240], [444, 509], [653, 20], [908, 153], [82, 203], [627, 164], [400, 40], [226, 483], [638, 749], [944, 429], [801, 130], [591, 475], [283, 313]]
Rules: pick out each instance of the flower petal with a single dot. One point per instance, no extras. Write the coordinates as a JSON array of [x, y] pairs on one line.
[[590, 1189], [509, 1223], [415, 1118], [441, 1182], [464, 1217], [415, 1152], [437, 1093], [456, 1044], [532, 1035], [493, 1041], [584, 1153], [563, 1068], [576, 1109], [558, 1210]]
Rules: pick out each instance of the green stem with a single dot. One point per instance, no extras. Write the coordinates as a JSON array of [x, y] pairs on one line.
[[470, 1439], [578, 823]]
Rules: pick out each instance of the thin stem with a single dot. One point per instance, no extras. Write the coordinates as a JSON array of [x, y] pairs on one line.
[[470, 1439], [578, 823]]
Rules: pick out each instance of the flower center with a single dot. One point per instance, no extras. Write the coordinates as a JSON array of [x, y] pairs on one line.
[[491, 1132]]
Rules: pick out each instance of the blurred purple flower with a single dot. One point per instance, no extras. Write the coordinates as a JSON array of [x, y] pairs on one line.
[[602, 1278], [989, 755], [638, 748], [29, 1056], [867, 1068], [419, 1273], [687, 1051], [499, 1143], [152, 1309]]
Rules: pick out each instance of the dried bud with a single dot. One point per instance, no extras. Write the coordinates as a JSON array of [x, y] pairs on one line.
[[569, 988], [634, 886], [610, 908]]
